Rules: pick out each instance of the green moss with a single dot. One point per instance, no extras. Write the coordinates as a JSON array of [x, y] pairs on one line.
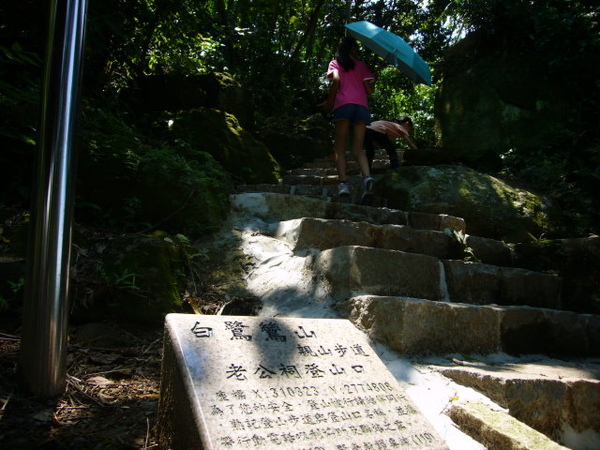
[[219, 133], [142, 280], [490, 207]]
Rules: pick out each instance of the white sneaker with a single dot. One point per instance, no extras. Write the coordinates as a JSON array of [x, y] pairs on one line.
[[344, 189]]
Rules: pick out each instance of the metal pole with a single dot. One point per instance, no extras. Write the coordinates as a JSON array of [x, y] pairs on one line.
[[45, 310]]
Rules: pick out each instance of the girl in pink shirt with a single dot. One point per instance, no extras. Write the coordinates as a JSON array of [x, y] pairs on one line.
[[352, 81]]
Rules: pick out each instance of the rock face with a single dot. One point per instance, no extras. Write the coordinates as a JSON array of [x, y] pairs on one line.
[[295, 145], [220, 134], [143, 278], [493, 100], [491, 207], [171, 92], [497, 430]]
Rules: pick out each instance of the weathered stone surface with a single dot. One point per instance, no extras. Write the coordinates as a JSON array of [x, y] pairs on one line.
[[491, 251], [477, 284], [413, 326], [427, 221], [491, 207], [498, 430], [546, 331], [488, 104], [482, 284], [322, 234], [251, 382], [315, 180], [351, 270], [276, 188], [278, 207], [550, 396], [220, 134], [578, 263]]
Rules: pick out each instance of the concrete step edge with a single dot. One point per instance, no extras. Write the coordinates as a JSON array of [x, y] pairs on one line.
[[498, 430]]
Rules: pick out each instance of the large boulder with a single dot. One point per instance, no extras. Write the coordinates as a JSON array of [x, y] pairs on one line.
[[298, 143], [140, 279], [491, 208], [127, 181], [493, 100], [236, 149], [176, 92]]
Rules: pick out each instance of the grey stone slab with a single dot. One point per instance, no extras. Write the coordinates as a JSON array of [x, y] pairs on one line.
[[551, 396], [415, 326], [237, 382], [278, 207], [484, 284], [352, 269], [498, 430]]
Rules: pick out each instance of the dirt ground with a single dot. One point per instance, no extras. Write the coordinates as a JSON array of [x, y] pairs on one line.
[[111, 396]]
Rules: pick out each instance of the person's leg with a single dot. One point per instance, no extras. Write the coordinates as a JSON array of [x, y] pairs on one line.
[[340, 139], [391, 151], [370, 146], [357, 148]]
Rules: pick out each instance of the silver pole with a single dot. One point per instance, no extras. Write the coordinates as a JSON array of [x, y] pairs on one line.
[[45, 310]]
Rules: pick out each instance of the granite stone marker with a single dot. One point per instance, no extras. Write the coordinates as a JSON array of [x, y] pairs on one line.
[[232, 382]]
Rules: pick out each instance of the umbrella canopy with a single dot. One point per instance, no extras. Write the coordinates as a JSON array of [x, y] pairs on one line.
[[393, 49]]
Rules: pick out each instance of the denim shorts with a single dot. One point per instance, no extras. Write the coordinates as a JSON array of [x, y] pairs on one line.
[[352, 112]]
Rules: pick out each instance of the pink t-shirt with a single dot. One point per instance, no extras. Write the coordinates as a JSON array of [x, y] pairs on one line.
[[391, 129], [352, 89]]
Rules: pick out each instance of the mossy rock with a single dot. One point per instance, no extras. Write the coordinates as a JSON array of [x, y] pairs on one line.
[[132, 185], [219, 133], [178, 92], [493, 100], [293, 145], [490, 207], [182, 195], [142, 280]]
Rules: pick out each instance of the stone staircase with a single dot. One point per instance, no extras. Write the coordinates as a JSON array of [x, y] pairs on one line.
[[405, 280]]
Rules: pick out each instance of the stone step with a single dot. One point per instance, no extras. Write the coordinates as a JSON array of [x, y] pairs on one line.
[[322, 234], [258, 188], [313, 171], [275, 207], [380, 163], [419, 327], [324, 163], [316, 180], [557, 398], [497, 430], [349, 270]]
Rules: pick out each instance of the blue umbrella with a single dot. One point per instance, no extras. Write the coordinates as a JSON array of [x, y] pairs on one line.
[[393, 49]]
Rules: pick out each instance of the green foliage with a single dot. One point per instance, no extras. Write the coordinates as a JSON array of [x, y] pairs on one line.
[[461, 239], [120, 281], [133, 181], [140, 279], [15, 287], [20, 73], [182, 194], [394, 96]]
